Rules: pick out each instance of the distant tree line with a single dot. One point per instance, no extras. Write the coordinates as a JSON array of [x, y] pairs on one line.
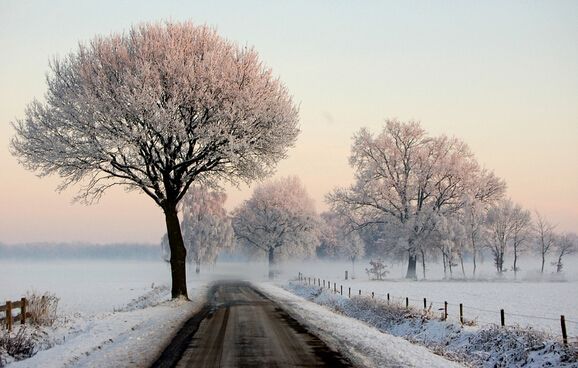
[[60, 251], [415, 197]]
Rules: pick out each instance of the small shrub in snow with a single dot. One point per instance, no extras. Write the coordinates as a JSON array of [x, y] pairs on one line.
[[18, 344], [377, 271], [42, 308]]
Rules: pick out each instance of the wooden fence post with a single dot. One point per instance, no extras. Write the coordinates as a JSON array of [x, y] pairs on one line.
[[23, 311], [334, 288], [424, 303], [563, 325], [502, 318], [387, 298], [359, 291], [341, 290], [461, 313], [346, 275], [372, 295], [324, 284], [9, 315], [349, 292], [445, 311], [406, 302]]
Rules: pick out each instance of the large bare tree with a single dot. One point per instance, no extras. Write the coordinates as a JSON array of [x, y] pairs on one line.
[[155, 109], [407, 179]]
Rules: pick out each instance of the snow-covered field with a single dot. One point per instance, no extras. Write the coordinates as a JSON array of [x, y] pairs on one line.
[[526, 301], [111, 310], [111, 313], [351, 325]]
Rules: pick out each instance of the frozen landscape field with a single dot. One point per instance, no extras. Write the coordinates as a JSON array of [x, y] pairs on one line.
[[526, 301], [92, 287], [102, 286], [109, 310]]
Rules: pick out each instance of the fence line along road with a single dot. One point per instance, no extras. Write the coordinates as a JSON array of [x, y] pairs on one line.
[[318, 282]]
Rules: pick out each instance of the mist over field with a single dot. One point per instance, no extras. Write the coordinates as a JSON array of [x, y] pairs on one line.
[[288, 184]]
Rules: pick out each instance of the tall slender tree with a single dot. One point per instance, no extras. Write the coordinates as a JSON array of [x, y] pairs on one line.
[[155, 109], [545, 237], [566, 244]]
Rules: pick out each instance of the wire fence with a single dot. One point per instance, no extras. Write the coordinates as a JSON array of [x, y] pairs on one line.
[[450, 311]]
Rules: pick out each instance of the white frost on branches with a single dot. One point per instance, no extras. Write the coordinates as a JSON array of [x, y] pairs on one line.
[[156, 108], [406, 179], [279, 219], [206, 227]]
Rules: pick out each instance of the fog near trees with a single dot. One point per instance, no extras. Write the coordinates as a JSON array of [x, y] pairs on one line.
[[174, 110], [279, 219], [83, 251], [408, 180], [412, 203], [155, 109], [416, 199]]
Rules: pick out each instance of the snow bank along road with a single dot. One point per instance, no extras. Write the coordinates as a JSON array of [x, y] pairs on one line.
[[242, 328], [262, 325]]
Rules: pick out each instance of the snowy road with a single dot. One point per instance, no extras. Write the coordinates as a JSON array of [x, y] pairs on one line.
[[242, 328]]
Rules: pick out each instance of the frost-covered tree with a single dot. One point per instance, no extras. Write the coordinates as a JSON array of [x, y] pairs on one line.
[[473, 219], [337, 239], [352, 248], [452, 239], [279, 219], [206, 227], [566, 244], [508, 224], [545, 237], [329, 228], [405, 178], [155, 109], [521, 233]]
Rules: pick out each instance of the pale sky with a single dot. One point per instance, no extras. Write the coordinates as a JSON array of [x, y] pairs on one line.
[[501, 75]]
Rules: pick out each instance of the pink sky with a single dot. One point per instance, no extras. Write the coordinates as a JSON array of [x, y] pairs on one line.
[[502, 77]]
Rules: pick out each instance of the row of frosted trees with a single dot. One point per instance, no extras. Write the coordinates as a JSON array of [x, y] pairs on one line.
[[414, 196], [163, 107]]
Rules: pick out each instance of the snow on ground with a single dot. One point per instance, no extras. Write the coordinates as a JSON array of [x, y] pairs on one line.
[[526, 301], [133, 338], [111, 313], [487, 346], [363, 344]]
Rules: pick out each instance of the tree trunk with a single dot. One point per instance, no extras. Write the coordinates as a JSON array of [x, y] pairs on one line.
[[352, 268], [462, 263], [474, 257], [423, 263], [543, 261], [411, 267], [271, 263], [178, 253], [515, 263]]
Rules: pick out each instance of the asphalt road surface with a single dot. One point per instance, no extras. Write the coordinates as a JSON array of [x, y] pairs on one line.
[[242, 328]]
